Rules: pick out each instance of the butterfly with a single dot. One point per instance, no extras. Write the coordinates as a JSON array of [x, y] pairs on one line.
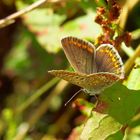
[[95, 69]]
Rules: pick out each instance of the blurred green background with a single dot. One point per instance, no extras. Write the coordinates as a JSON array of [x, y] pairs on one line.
[[31, 100]]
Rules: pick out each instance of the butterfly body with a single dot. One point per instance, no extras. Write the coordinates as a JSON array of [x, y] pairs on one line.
[[95, 69]]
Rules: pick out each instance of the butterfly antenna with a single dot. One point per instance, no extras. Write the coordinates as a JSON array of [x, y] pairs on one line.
[[73, 96]]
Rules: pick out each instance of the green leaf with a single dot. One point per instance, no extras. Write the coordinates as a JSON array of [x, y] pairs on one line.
[[122, 103], [116, 136], [26, 55], [46, 27], [99, 127], [132, 133], [83, 26], [133, 81]]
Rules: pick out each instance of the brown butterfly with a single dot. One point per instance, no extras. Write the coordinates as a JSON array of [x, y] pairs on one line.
[[95, 69]]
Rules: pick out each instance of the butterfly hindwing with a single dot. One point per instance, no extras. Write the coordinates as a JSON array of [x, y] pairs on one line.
[[92, 82], [81, 54], [108, 60]]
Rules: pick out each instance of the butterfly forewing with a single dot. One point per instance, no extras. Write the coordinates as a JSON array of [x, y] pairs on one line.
[[92, 82], [108, 60], [81, 54]]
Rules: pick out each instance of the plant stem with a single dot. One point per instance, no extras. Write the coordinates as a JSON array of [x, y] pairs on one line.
[[37, 94], [130, 62]]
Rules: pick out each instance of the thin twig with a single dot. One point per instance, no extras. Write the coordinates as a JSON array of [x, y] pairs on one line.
[[11, 18]]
